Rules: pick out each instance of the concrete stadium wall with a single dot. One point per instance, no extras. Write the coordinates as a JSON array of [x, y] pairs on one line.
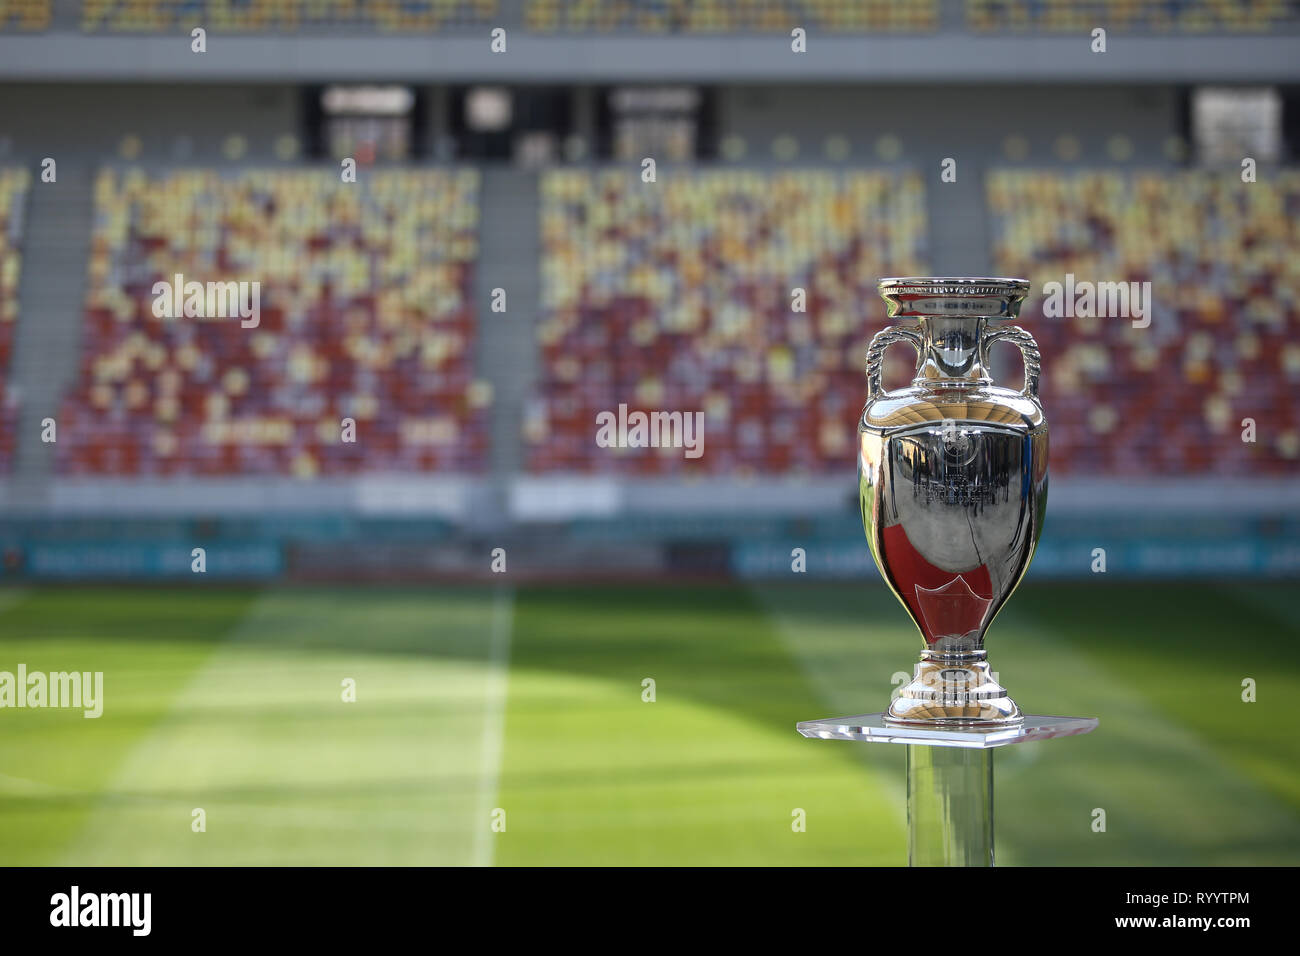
[[933, 122], [90, 120], [953, 56]]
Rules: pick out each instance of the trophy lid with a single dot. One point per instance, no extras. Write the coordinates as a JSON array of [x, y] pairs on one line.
[[955, 296]]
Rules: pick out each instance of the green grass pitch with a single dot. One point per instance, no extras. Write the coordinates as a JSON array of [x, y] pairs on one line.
[[526, 706]]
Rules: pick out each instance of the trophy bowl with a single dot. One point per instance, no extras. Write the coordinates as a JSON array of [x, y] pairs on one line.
[[952, 480]]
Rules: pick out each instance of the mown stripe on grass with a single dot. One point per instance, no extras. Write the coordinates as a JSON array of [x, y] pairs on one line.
[[147, 642], [285, 769], [710, 772], [496, 683]]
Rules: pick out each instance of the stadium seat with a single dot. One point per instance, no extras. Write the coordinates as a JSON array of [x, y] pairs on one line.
[[366, 314], [679, 296], [731, 16], [286, 16], [1130, 16], [25, 16], [13, 194]]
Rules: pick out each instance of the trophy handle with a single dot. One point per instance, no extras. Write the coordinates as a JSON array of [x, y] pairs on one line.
[[876, 352], [1028, 351]]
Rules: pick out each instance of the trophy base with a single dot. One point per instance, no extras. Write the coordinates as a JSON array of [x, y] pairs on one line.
[[953, 689], [929, 713]]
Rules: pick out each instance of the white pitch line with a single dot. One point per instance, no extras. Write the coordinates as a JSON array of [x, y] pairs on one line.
[[494, 720]]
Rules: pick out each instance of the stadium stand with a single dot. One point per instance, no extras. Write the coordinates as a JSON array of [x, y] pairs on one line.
[[1135, 16], [661, 16], [25, 16], [731, 16], [679, 296], [1223, 260], [13, 192], [285, 16], [366, 313]]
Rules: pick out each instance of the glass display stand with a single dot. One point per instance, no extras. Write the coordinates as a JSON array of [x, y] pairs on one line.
[[949, 777]]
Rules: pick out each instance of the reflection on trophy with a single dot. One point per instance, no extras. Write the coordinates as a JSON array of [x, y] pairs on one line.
[[953, 485]]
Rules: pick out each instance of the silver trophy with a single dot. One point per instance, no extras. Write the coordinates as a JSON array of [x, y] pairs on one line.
[[952, 479], [953, 485]]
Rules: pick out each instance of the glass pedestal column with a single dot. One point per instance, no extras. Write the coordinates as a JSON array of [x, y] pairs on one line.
[[949, 806]]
